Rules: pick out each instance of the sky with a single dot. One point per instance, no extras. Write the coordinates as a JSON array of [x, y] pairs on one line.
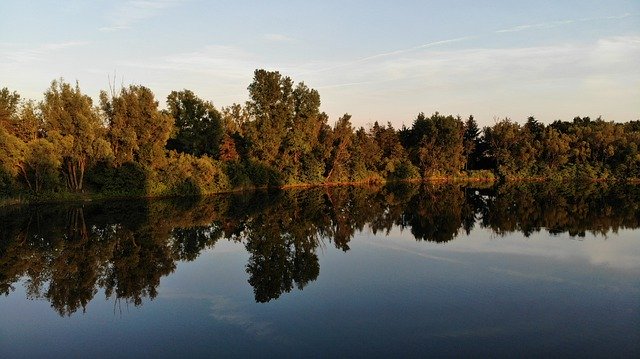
[[382, 61]]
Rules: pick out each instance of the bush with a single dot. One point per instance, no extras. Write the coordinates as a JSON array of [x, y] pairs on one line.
[[128, 179], [403, 170], [184, 174]]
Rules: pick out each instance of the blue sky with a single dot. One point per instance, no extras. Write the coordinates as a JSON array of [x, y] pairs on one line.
[[377, 60]]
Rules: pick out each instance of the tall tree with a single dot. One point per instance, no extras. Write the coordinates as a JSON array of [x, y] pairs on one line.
[[271, 106], [138, 131], [199, 126], [341, 139], [74, 125], [471, 137]]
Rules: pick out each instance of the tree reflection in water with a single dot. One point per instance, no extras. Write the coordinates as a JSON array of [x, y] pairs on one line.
[[66, 253]]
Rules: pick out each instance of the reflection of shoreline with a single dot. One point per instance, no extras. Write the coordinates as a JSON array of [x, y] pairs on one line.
[[68, 252]]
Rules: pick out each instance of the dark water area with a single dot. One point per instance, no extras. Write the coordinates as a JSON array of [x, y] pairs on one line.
[[404, 270]]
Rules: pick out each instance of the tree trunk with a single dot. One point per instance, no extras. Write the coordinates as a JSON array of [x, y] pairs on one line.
[[24, 174]]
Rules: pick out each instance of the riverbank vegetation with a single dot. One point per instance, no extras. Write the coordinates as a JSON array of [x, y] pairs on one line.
[[67, 145]]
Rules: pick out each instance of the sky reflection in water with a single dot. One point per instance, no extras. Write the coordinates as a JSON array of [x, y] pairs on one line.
[[432, 270]]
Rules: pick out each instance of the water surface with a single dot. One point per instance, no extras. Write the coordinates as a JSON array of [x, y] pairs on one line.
[[444, 270]]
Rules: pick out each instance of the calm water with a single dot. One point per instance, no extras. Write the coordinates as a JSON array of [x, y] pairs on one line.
[[438, 270]]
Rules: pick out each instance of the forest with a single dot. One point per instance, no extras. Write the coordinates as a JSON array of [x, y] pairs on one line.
[[127, 145]]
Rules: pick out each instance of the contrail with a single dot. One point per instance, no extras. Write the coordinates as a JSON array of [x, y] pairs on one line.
[[391, 53], [552, 24], [517, 28]]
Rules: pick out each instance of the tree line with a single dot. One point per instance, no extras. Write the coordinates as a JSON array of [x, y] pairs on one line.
[[65, 253], [127, 145]]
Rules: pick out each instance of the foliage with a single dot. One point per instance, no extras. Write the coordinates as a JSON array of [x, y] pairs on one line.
[[73, 125], [137, 130], [199, 126], [279, 137]]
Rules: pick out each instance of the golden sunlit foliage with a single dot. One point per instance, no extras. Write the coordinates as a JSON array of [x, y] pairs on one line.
[[128, 145]]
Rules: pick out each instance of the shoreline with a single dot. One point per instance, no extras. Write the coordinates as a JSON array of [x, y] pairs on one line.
[[22, 200]]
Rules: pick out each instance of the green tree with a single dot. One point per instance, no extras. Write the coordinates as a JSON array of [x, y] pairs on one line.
[[471, 139], [12, 160], [74, 126], [43, 161], [9, 104], [436, 144], [271, 106], [199, 126], [341, 139], [138, 131]]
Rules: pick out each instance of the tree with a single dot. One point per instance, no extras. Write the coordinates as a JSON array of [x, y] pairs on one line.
[[138, 131], [12, 159], [271, 107], [470, 138], [199, 126], [43, 160], [9, 103], [341, 138], [436, 144], [74, 126]]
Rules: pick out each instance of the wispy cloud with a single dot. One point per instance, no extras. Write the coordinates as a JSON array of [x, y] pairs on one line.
[[222, 61], [125, 15], [435, 44], [232, 312], [389, 54], [225, 311], [277, 38], [486, 65], [552, 24], [415, 48], [346, 84], [18, 53], [492, 82]]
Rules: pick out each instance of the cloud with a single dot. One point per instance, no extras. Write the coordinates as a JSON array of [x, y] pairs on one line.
[[610, 57], [18, 53], [389, 54], [556, 81], [552, 24], [234, 313], [131, 12], [226, 311], [277, 38], [213, 60], [546, 25], [435, 44], [347, 84]]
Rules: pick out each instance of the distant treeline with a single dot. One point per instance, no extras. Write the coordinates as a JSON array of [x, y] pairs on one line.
[[126, 145], [66, 253]]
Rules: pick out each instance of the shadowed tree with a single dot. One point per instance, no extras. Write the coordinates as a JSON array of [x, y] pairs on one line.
[[470, 138], [199, 126]]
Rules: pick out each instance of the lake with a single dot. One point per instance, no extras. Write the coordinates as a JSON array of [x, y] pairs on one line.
[[402, 270]]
